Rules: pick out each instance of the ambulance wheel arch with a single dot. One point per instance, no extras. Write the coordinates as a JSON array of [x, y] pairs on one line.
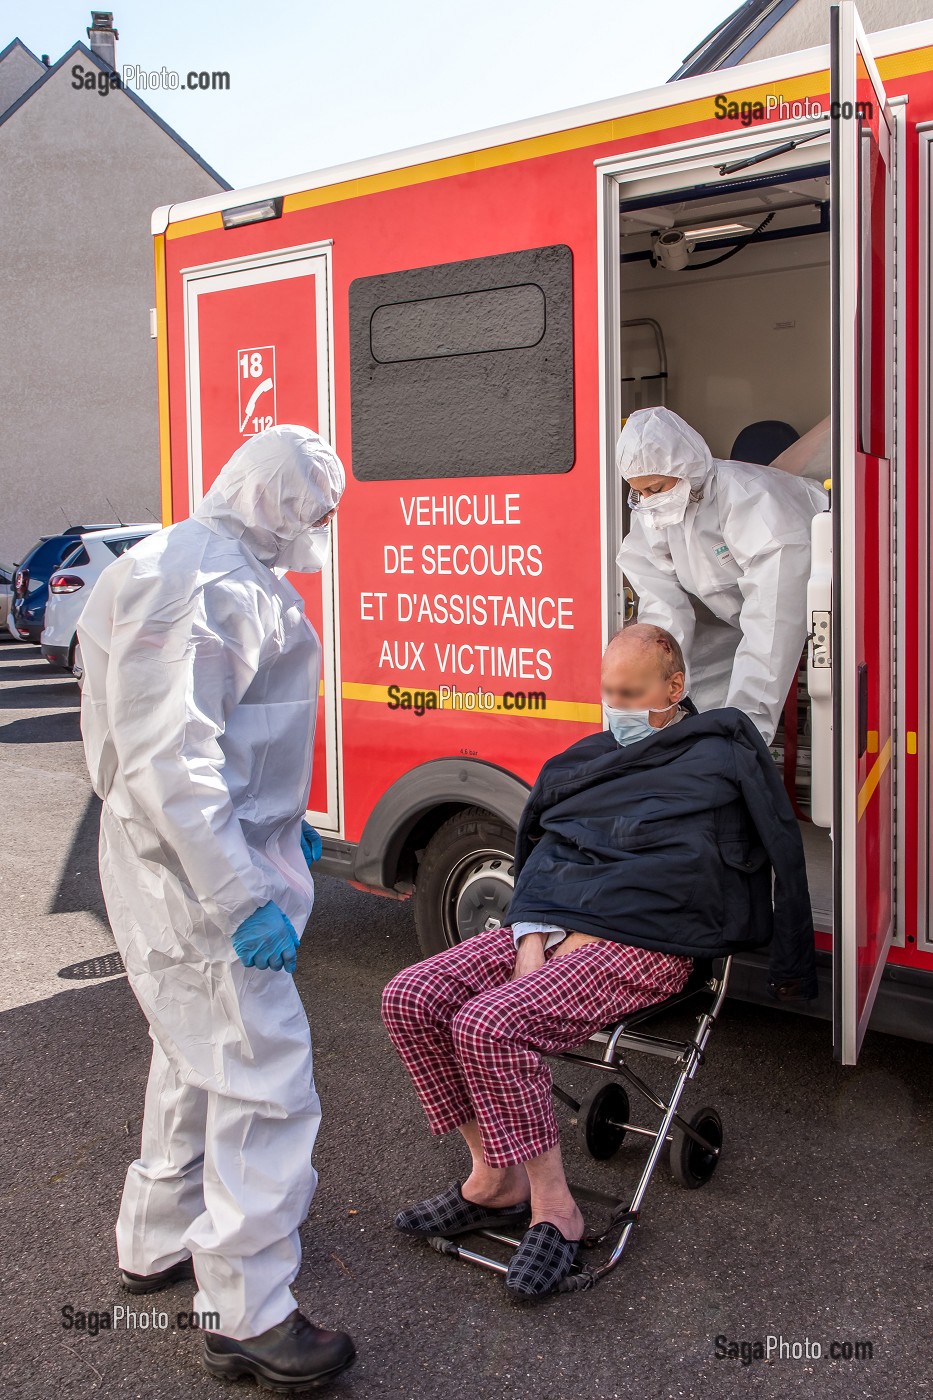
[[447, 827]]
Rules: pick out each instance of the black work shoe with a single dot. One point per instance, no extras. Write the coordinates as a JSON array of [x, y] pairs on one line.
[[152, 1283], [543, 1259], [450, 1213], [292, 1356]]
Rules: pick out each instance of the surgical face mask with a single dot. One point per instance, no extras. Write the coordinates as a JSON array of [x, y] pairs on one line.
[[662, 508], [307, 553], [628, 726]]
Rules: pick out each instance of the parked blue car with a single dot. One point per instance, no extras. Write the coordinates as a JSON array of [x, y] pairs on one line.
[[31, 580]]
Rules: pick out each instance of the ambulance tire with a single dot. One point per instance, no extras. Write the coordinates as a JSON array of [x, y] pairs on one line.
[[464, 882]]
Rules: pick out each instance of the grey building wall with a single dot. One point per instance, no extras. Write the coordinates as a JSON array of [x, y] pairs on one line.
[[81, 175], [19, 69], [806, 24]]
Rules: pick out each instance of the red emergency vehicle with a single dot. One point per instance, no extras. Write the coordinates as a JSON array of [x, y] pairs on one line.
[[469, 322]]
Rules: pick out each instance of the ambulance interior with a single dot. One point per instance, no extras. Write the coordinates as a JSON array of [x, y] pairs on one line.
[[725, 318]]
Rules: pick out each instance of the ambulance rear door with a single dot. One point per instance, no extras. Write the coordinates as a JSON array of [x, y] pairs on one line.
[[258, 341], [861, 630]]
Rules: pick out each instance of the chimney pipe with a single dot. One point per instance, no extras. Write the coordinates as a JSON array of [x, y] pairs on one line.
[[46, 60], [103, 37]]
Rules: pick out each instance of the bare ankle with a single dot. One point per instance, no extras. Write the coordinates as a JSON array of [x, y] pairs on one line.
[[496, 1186], [565, 1215]]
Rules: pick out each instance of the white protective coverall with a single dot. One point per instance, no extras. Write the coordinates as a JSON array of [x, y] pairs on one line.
[[742, 548], [201, 678]]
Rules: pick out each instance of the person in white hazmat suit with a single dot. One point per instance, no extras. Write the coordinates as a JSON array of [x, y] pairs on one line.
[[734, 535], [201, 677]]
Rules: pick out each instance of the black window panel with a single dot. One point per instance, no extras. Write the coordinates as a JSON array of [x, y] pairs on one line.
[[121, 545], [470, 323], [464, 368]]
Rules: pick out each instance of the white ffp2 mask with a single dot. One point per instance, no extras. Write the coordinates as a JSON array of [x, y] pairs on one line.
[[628, 726], [308, 552], [662, 508]]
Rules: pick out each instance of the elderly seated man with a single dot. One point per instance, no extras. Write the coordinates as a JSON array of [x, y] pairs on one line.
[[639, 848]]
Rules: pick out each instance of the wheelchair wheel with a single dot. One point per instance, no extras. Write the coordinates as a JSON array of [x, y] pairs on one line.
[[692, 1165], [601, 1118]]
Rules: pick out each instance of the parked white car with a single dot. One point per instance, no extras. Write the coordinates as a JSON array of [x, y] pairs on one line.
[[71, 583]]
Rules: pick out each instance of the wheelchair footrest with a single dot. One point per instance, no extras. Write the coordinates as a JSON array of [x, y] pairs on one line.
[[617, 1220], [578, 1283], [444, 1246]]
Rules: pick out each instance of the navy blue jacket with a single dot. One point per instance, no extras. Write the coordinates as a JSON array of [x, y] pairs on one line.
[[670, 843]]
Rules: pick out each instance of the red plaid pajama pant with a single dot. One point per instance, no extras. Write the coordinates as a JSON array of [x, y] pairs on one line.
[[466, 1033]]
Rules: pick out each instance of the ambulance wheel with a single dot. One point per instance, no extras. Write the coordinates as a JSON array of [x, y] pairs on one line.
[[691, 1164], [600, 1120], [465, 879]]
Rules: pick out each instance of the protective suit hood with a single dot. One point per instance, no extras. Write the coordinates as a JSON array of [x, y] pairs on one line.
[[270, 494], [656, 441]]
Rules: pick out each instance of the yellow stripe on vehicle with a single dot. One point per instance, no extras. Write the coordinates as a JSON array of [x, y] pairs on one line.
[[656, 119], [575, 711], [875, 773], [202, 223], [165, 446], [527, 148]]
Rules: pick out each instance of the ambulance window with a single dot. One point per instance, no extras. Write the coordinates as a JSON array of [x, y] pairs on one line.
[[464, 368], [469, 323], [875, 306]]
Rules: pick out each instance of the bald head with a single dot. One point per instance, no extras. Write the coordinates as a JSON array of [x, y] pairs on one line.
[[643, 669], [654, 646]]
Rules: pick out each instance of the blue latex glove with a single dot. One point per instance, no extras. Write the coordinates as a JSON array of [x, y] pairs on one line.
[[311, 843], [267, 939]]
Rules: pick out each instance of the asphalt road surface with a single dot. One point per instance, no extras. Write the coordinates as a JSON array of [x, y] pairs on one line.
[[815, 1229]]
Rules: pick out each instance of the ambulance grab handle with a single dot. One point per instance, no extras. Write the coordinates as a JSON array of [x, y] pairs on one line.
[[820, 668]]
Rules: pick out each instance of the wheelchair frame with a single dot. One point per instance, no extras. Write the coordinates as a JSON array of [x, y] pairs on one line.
[[675, 1131]]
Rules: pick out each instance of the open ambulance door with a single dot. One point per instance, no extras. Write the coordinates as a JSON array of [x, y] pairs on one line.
[[259, 349], [861, 626]]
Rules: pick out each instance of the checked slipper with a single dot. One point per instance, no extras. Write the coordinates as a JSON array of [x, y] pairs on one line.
[[541, 1261], [450, 1214]]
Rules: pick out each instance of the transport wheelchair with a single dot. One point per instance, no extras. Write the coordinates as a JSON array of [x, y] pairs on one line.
[[691, 1145]]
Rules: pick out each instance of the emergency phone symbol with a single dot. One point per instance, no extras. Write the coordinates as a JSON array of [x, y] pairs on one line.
[[255, 380]]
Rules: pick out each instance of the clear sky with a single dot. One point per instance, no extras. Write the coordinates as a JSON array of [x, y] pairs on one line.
[[314, 84]]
